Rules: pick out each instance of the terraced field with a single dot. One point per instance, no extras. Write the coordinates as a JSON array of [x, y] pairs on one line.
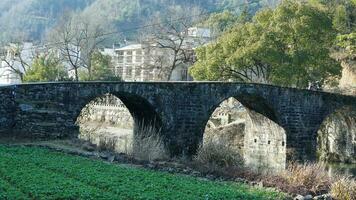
[[36, 173]]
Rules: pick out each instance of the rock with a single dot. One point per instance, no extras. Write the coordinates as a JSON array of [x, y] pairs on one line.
[[308, 197], [210, 177], [111, 158], [104, 156], [241, 180], [298, 197], [25, 107], [195, 173], [323, 197], [170, 170], [162, 163], [88, 147], [151, 166]]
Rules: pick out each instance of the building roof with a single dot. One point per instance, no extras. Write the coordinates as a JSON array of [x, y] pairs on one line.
[[130, 47]]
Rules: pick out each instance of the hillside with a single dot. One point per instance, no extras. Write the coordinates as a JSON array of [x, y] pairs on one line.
[[31, 19]]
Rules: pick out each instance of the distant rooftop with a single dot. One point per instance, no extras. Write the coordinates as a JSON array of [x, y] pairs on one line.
[[130, 47]]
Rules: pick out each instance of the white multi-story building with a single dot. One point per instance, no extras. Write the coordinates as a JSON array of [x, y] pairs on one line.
[[147, 61], [15, 60]]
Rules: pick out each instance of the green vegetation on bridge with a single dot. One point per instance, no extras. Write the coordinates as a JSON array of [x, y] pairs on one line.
[[35, 173]]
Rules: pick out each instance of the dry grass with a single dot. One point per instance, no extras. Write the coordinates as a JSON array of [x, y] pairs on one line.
[[309, 176], [344, 189], [216, 156], [148, 144]]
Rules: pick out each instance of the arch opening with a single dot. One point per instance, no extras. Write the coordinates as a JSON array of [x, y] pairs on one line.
[[256, 139], [336, 141], [123, 123]]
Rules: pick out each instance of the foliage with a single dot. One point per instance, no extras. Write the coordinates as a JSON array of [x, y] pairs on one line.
[[45, 68], [343, 13], [101, 67], [220, 22], [286, 46], [346, 50], [32, 19], [348, 43], [34, 173]]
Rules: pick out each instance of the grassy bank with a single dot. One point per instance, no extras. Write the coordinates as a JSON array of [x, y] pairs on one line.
[[35, 173]]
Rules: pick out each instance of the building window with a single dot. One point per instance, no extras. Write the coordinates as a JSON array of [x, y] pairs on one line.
[[184, 74], [121, 59], [129, 72], [129, 59]]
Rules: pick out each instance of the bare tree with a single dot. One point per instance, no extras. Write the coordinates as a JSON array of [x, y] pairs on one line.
[[76, 38], [16, 59], [169, 42]]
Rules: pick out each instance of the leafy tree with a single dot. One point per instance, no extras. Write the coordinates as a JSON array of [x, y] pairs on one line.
[[345, 51], [45, 68], [102, 69], [286, 46], [220, 22], [343, 13], [348, 43], [340, 18]]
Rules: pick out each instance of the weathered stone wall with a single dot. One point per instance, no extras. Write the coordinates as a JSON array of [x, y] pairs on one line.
[[337, 137], [112, 115], [264, 144], [7, 110], [180, 110], [231, 135]]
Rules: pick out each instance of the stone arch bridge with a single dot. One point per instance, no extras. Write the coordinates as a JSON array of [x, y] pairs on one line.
[[179, 109]]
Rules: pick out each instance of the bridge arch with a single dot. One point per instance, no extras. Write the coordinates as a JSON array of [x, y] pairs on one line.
[[242, 132], [253, 102], [146, 121], [142, 111]]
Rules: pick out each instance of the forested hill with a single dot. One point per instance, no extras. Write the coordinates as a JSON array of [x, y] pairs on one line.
[[31, 19]]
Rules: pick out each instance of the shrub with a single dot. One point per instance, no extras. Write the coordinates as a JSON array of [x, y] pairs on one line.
[[216, 154], [344, 189], [308, 177]]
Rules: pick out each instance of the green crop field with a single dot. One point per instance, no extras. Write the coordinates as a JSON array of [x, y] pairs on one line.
[[36, 173]]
